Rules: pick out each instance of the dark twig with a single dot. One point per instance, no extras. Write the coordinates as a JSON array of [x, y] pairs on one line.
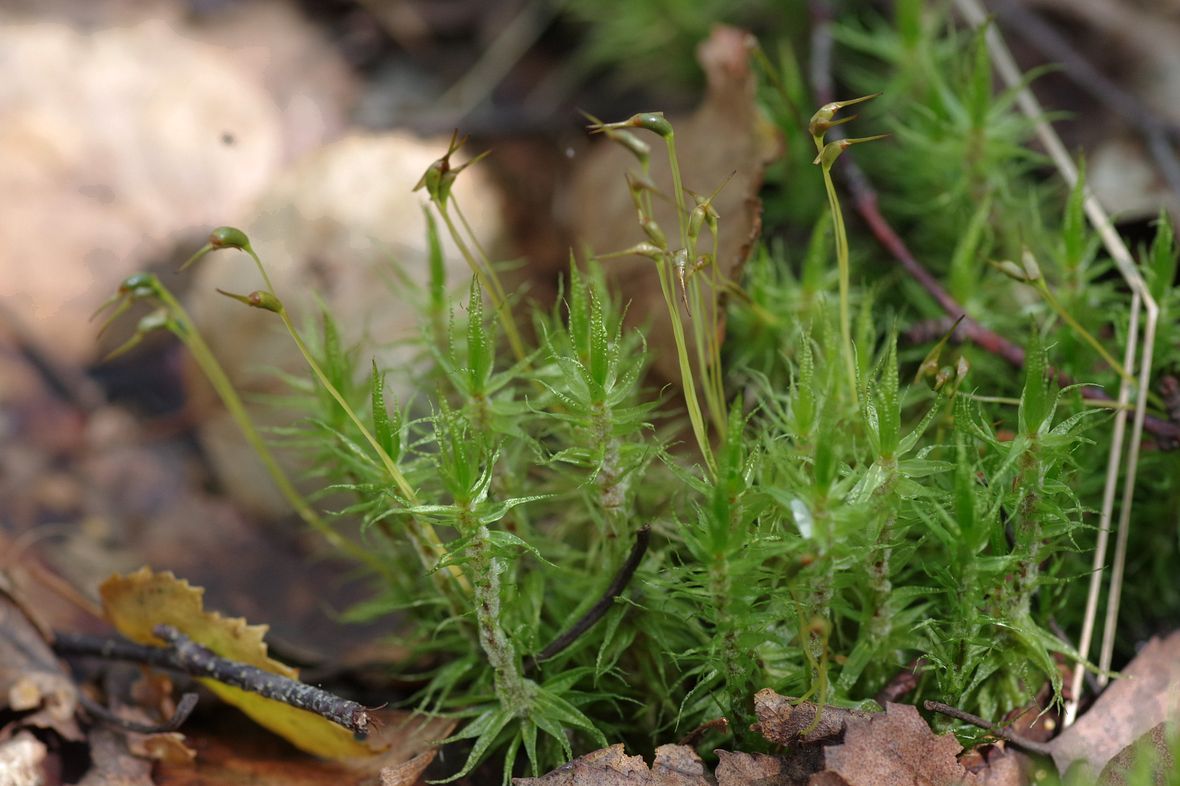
[[694, 736], [1169, 387], [953, 712], [184, 708], [188, 657], [864, 197], [599, 609], [902, 683], [1157, 133]]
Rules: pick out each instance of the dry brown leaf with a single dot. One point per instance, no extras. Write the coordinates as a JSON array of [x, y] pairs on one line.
[[1153, 743], [998, 765], [674, 765], [896, 748], [726, 135], [113, 763], [781, 720], [247, 756], [1146, 694], [32, 682], [755, 769]]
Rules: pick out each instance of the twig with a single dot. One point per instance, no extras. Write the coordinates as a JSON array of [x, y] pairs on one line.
[[905, 681], [188, 657], [1157, 132], [1010, 736], [184, 708], [1170, 391], [599, 609], [865, 200], [693, 737]]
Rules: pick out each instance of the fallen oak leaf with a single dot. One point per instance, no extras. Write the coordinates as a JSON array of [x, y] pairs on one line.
[[140, 603], [999, 765], [784, 721], [747, 769], [674, 765], [895, 748], [1146, 694], [1154, 745]]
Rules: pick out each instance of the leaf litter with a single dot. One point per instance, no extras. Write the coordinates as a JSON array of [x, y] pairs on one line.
[[1145, 695]]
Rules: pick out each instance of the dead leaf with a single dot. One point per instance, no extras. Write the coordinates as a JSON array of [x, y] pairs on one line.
[[240, 756], [750, 769], [674, 765], [1154, 744], [781, 720], [138, 602], [32, 681], [998, 765], [1146, 694], [113, 763], [895, 748], [727, 135]]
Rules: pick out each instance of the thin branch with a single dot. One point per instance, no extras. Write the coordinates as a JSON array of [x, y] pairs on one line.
[[184, 708], [599, 609], [905, 681], [720, 725], [188, 657], [865, 200], [1009, 736]]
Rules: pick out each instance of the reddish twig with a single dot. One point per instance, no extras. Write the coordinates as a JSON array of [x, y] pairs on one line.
[[902, 683], [864, 197]]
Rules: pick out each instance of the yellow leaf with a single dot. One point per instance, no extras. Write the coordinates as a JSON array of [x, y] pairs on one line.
[[138, 602]]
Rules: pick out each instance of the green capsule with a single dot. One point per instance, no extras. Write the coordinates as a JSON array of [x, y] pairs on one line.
[[1011, 270], [1031, 269], [832, 150], [652, 121], [257, 299], [440, 176], [139, 281], [157, 320], [824, 118], [644, 249], [229, 237], [653, 232]]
